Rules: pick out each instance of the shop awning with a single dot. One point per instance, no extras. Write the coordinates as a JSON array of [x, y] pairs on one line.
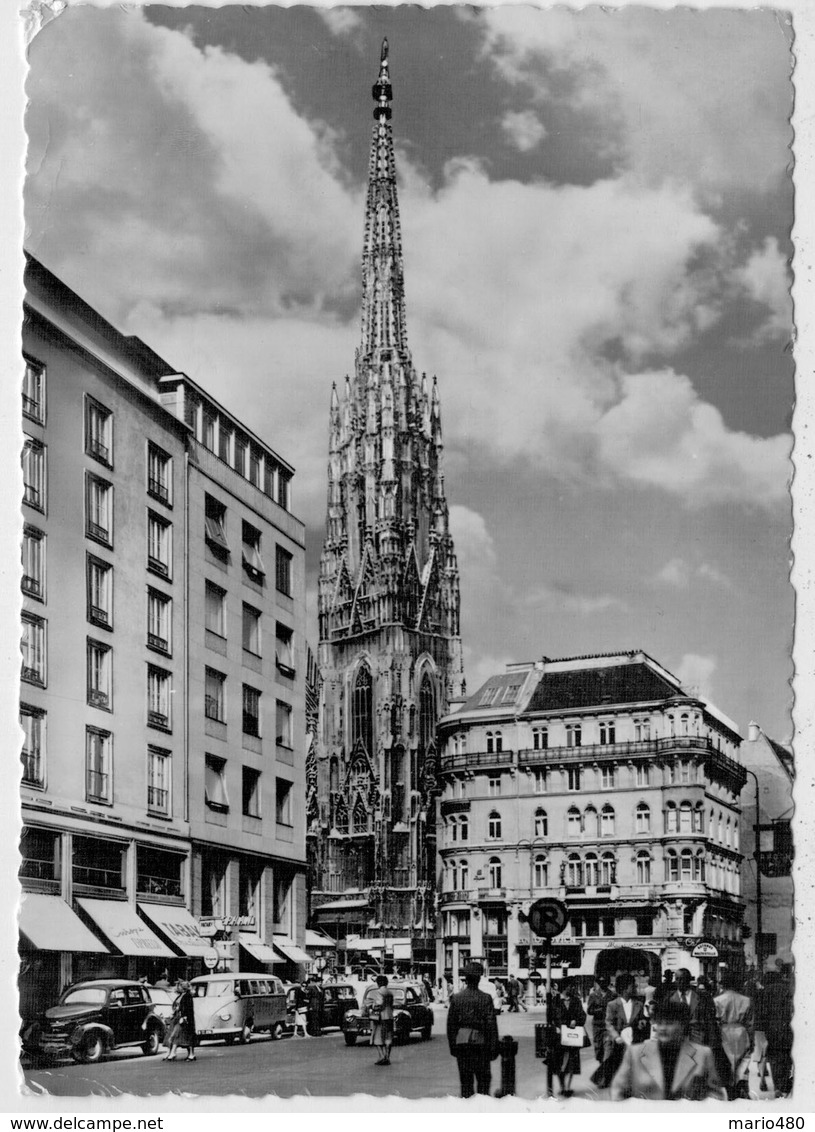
[[317, 939], [51, 925], [342, 906], [121, 925], [178, 926], [260, 951], [289, 950]]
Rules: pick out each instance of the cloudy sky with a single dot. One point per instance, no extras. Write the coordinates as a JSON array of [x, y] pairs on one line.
[[596, 210]]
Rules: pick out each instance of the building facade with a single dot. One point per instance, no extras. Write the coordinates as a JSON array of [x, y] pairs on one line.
[[601, 782], [137, 855], [390, 652]]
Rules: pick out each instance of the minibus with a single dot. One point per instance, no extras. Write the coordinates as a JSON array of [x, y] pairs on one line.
[[234, 1005]]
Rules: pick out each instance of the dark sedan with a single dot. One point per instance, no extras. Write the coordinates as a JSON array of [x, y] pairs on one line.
[[411, 1013]]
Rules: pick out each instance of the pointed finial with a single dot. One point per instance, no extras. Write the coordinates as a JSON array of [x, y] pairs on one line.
[[382, 91]]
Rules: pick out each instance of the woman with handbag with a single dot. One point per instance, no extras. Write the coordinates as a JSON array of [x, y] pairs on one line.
[[569, 1020], [182, 1024]]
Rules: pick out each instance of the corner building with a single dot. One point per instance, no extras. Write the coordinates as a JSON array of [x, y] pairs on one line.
[[163, 668], [601, 782], [390, 653]]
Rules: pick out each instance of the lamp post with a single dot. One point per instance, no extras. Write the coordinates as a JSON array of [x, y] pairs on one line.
[[530, 845], [759, 947]]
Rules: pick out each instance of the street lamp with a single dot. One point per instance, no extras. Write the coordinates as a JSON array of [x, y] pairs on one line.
[[530, 844], [759, 948]]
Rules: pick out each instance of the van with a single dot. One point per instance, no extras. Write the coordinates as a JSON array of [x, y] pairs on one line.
[[235, 1005]]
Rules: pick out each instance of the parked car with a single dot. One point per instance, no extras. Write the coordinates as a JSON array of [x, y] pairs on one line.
[[95, 1017], [231, 1006], [411, 1011], [338, 999]]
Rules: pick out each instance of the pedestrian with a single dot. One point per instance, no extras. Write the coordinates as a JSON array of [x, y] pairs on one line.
[[300, 1011], [668, 1066], [314, 1007], [441, 991], [428, 986], [734, 1012], [599, 998], [380, 1008], [472, 1033], [702, 1010], [625, 1023], [760, 1023], [182, 1023], [514, 995], [567, 1015], [164, 980], [778, 999], [665, 989]]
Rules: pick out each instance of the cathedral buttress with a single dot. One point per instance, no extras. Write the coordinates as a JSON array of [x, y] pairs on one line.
[[390, 653]]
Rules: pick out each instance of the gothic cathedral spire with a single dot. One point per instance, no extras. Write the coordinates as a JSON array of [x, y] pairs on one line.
[[390, 652]]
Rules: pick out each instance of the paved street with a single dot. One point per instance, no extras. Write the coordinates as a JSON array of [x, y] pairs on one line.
[[318, 1067]]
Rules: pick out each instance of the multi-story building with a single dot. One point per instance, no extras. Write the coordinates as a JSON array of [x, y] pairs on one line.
[[162, 699], [601, 782], [771, 772], [390, 653]]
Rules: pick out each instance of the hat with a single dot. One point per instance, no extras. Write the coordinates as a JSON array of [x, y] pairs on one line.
[[473, 972]]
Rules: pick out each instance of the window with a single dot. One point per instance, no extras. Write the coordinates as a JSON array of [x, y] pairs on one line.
[[283, 728], [98, 431], [591, 825], [541, 823], [643, 818], [591, 873], [98, 509], [452, 829], [283, 801], [251, 629], [215, 611], [685, 818], [251, 792], [607, 822], [464, 827], [671, 866], [573, 778], [252, 562], [240, 454], [282, 562], [643, 869], [99, 675], [539, 781], [159, 608], [495, 742], [251, 711], [224, 441], [607, 732], [671, 818], [215, 695], [254, 466], [158, 780], [541, 872], [159, 544], [215, 527], [642, 730], [670, 774], [685, 770], [465, 873], [33, 580], [191, 404], [574, 735], [98, 765], [641, 774], [452, 875], [32, 756], [494, 826], [540, 738], [33, 649], [684, 725], [494, 872], [34, 390], [607, 778], [511, 693], [608, 870], [574, 871], [699, 866], [340, 816], [574, 825], [284, 649], [159, 473], [34, 474], [283, 497], [488, 696], [208, 428], [215, 794], [362, 715], [158, 697]]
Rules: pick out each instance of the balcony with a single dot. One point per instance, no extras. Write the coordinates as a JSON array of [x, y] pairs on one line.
[[31, 585], [97, 786], [98, 449], [161, 644], [455, 806], [97, 698], [158, 489], [477, 759], [158, 800], [487, 895], [456, 896]]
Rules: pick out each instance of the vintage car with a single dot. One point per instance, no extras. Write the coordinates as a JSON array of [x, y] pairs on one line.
[[95, 1017], [411, 1011], [337, 1000]]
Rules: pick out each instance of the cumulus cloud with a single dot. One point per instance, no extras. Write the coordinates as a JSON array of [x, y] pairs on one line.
[[765, 279], [679, 574], [341, 21], [523, 129]]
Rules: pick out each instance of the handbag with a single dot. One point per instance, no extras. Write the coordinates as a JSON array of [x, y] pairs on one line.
[[572, 1036], [469, 1036]]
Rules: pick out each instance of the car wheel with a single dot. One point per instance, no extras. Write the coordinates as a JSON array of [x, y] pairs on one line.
[[246, 1032], [427, 1032], [151, 1043], [92, 1049], [277, 1031], [350, 1039], [229, 1039]]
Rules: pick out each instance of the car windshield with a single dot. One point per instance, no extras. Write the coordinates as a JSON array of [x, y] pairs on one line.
[[84, 996], [397, 992], [216, 989]]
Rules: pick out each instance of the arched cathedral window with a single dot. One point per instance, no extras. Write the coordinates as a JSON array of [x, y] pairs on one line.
[[340, 816], [427, 713], [362, 714], [360, 817]]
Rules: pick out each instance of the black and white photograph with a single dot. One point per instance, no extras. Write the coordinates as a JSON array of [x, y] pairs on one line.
[[404, 536]]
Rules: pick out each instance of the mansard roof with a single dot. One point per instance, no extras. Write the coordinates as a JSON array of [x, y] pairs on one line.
[[593, 687]]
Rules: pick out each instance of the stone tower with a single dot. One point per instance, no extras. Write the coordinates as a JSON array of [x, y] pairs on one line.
[[390, 655]]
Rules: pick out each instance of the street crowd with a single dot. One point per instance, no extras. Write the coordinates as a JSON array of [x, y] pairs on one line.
[[682, 1040]]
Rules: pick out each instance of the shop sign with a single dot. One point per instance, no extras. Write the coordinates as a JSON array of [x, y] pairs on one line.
[[211, 959], [705, 951], [211, 925]]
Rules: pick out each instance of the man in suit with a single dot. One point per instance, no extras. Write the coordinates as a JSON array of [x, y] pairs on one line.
[[668, 1067], [472, 1033], [703, 1027], [599, 999], [625, 1023]]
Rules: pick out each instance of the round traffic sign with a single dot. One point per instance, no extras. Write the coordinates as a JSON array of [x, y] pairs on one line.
[[548, 917], [211, 959]]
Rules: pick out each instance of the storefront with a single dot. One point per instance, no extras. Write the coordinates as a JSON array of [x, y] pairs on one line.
[[140, 951]]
